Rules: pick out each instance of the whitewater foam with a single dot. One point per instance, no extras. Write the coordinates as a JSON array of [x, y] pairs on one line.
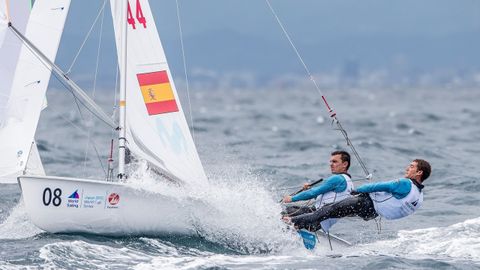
[[218, 261], [17, 225], [241, 213], [459, 241]]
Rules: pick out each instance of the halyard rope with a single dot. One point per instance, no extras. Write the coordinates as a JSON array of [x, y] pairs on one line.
[[185, 69], [100, 12], [332, 113]]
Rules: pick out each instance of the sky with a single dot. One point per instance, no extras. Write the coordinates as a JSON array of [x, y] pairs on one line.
[[403, 40]]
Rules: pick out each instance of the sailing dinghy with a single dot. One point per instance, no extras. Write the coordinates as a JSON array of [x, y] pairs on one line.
[[151, 125]]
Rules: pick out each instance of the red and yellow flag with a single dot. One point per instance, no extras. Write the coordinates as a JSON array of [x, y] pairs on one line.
[[157, 92]]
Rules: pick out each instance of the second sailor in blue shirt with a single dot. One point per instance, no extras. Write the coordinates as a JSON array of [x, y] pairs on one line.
[[333, 189]]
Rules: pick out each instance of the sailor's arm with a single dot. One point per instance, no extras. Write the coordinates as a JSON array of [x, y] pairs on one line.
[[330, 184], [399, 188]]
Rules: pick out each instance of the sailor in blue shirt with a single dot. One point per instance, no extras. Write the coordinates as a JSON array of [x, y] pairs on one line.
[[391, 200], [333, 189]]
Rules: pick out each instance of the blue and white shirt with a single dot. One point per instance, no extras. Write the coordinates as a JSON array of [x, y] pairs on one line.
[[333, 189], [395, 199]]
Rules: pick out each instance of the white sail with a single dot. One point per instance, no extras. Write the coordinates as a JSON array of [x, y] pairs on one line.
[[156, 126], [30, 81], [10, 47], [34, 164]]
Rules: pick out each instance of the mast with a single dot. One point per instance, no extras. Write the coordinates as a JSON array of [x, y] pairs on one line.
[[122, 102]]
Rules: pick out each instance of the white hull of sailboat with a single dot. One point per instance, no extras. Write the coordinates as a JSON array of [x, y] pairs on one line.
[[66, 205]]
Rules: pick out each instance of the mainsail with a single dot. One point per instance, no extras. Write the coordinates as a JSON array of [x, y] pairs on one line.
[[26, 96], [157, 130]]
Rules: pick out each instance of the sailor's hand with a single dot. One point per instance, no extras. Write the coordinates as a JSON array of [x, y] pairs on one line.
[[287, 199], [287, 220], [306, 186]]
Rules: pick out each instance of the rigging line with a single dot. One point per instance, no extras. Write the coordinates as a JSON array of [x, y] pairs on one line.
[[88, 132], [50, 68], [355, 153], [185, 70], [94, 145], [86, 37], [77, 99], [94, 92], [79, 129], [57, 76], [61, 76], [99, 158], [113, 131], [69, 122], [333, 115], [115, 104]]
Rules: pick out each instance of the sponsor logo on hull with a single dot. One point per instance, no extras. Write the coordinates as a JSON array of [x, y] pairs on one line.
[[113, 200], [73, 200], [93, 201]]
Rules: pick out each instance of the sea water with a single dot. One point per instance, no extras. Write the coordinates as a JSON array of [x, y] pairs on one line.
[[256, 146]]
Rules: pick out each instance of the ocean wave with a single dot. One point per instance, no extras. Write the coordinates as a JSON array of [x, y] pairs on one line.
[[83, 255], [459, 241]]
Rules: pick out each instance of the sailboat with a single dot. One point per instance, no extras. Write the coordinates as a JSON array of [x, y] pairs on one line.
[[151, 125]]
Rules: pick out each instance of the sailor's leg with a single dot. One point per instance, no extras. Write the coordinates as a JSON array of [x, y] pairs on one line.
[[295, 210], [360, 205], [313, 219], [353, 206], [367, 210]]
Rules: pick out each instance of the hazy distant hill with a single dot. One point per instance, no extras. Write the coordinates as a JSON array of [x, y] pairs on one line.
[[399, 55]]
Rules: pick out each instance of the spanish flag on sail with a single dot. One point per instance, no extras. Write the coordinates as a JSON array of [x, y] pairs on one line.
[[157, 92]]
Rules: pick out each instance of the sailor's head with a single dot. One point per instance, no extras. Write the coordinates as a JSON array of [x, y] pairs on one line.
[[418, 169], [339, 161]]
